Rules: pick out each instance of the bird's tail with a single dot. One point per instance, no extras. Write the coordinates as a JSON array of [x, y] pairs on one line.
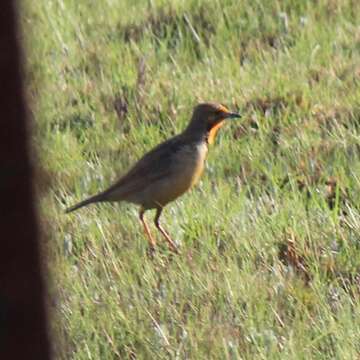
[[93, 199]]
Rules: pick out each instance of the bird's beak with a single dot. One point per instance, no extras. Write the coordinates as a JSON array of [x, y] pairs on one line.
[[232, 115]]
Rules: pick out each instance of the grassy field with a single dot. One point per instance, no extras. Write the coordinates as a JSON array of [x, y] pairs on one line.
[[270, 264]]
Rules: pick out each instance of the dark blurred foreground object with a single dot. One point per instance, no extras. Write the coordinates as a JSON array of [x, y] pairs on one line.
[[23, 320]]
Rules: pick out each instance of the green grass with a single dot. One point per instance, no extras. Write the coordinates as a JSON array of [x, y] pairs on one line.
[[270, 264]]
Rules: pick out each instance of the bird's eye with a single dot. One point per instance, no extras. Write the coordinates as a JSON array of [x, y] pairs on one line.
[[218, 113]]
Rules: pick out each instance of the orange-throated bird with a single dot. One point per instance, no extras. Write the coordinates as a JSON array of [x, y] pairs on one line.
[[168, 170]]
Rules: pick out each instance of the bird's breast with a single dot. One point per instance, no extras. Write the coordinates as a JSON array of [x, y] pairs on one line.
[[187, 166], [189, 163]]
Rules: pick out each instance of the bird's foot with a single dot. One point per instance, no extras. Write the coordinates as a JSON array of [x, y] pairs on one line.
[[151, 251], [174, 248]]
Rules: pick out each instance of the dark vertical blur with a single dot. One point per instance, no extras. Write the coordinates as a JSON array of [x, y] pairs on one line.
[[23, 321]]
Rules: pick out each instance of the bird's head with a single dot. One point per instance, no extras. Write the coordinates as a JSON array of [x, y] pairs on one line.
[[207, 119]]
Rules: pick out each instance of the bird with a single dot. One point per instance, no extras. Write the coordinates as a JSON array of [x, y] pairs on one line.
[[168, 170]]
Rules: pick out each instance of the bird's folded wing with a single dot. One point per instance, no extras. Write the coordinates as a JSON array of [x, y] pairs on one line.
[[154, 166]]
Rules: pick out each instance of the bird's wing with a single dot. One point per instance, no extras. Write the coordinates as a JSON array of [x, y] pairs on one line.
[[153, 166]]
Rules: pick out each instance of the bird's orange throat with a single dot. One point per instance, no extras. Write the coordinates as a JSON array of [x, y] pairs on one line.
[[213, 131]]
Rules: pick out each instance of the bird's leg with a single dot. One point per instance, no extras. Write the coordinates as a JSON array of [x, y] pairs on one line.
[[147, 230], [167, 237]]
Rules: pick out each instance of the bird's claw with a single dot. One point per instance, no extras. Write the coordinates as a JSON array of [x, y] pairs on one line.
[[151, 251]]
